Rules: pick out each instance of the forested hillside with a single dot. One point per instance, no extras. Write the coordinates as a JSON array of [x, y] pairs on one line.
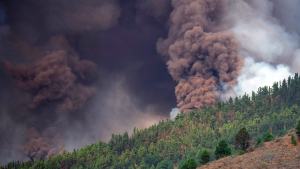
[[170, 143]]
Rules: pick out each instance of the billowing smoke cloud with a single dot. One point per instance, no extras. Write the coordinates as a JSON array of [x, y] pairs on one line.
[[174, 113], [200, 57], [55, 77], [47, 144], [268, 43]]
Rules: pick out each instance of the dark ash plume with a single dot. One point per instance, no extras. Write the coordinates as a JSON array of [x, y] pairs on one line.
[[200, 57], [46, 144], [55, 77]]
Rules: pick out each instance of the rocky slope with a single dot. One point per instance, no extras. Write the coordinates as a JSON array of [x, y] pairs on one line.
[[276, 154]]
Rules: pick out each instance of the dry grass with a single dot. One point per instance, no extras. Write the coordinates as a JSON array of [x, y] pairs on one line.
[[276, 154]]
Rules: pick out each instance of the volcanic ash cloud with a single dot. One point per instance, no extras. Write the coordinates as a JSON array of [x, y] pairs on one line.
[[56, 77], [46, 144], [201, 56]]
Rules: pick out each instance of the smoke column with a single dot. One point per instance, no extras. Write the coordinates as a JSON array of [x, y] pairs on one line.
[[201, 55], [208, 42], [47, 144], [59, 78]]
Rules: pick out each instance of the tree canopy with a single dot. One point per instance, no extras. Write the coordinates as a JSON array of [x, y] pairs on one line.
[[242, 139], [222, 150]]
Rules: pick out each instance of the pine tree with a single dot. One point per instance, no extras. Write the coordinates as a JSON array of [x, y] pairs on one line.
[[294, 142], [143, 165], [268, 137], [222, 150], [152, 167], [165, 164], [189, 164], [205, 157], [242, 139]]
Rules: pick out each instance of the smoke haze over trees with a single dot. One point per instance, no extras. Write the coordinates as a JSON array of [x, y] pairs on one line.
[[73, 72]]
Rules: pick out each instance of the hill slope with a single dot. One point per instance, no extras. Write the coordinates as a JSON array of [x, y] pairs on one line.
[[279, 153]]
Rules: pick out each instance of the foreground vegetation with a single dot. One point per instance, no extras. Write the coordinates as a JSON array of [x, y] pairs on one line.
[[274, 109]]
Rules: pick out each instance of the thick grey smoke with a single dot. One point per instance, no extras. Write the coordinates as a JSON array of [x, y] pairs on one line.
[[201, 57], [55, 77]]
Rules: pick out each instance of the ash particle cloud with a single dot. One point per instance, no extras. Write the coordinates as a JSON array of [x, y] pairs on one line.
[[53, 78], [199, 57]]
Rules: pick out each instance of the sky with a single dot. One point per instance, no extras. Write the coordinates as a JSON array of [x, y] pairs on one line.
[[74, 72]]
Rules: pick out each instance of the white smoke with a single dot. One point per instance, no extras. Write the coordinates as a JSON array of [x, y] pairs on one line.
[[271, 53], [174, 113], [259, 74]]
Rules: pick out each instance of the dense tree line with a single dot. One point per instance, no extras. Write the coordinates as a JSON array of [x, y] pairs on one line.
[[274, 109]]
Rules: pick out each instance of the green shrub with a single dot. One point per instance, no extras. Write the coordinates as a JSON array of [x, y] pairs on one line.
[[222, 150], [241, 152], [268, 137], [205, 157], [294, 142], [258, 142], [263, 165], [189, 164], [261, 144]]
